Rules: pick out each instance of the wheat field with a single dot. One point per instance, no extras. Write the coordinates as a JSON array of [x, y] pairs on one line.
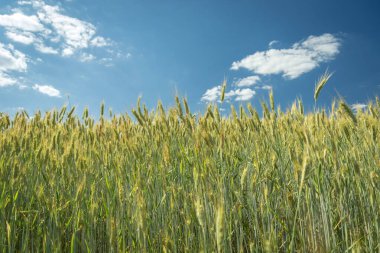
[[168, 180]]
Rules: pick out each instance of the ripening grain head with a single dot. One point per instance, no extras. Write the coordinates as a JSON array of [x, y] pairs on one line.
[[321, 83]]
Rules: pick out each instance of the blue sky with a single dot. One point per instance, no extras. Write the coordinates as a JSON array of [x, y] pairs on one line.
[[83, 52]]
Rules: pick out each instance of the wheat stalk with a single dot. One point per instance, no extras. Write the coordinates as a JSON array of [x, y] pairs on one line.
[[321, 83]]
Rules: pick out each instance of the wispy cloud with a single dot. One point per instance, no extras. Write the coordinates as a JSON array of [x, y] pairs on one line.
[[241, 94], [6, 80], [42, 48], [291, 63], [85, 57], [266, 87], [247, 81], [11, 60], [272, 43], [74, 33], [214, 94], [47, 90], [50, 30], [107, 61], [22, 22], [99, 41], [22, 37]]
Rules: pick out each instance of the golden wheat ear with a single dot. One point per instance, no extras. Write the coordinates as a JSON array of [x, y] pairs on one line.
[[321, 83]]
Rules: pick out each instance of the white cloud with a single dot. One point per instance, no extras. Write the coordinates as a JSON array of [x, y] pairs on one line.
[[99, 41], [248, 81], [22, 86], [358, 107], [6, 80], [40, 47], [47, 90], [86, 57], [244, 94], [107, 61], [24, 2], [22, 37], [229, 94], [75, 32], [68, 51], [11, 60], [50, 30], [272, 43], [266, 87], [241, 94], [301, 58], [214, 94], [22, 22]]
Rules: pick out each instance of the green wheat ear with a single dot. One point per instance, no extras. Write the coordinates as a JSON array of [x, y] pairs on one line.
[[271, 99], [321, 83], [102, 109], [223, 90], [347, 110]]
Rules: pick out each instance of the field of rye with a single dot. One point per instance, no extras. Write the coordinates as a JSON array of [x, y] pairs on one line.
[[170, 181]]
